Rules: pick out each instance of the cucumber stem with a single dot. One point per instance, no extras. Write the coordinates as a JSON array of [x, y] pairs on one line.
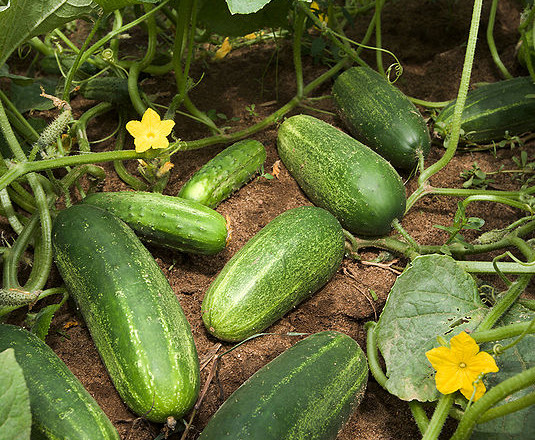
[[491, 43]]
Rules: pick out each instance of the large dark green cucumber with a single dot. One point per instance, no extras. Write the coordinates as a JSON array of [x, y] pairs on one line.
[[225, 173], [61, 407], [287, 261], [306, 393], [133, 316], [169, 221], [493, 109], [342, 175], [380, 116]]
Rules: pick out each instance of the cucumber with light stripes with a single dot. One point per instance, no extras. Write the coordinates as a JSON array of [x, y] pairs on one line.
[[340, 174], [61, 407], [108, 89], [168, 221], [225, 173], [284, 263], [306, 393], [492, 110], [380, 116], [133, 315]]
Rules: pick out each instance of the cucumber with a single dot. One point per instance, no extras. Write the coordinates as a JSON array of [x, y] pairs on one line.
[[287, 261], [61, 407], [168, 221], [134, 318], [381, 117], [338, 173], [306, 393], [225, 173], [493, 109], [109, 89]]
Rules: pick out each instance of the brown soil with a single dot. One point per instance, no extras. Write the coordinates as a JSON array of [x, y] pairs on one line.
[[429, 39]]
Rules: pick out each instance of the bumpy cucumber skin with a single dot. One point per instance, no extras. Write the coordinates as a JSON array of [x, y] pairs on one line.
[[168, 221], [225, 173], [61, 407], [492, 109], [338, 173], [107, 89], [134, 318], [306, 393], [284, 263], [380, 116]]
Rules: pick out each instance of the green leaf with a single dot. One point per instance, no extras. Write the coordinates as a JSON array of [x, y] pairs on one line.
[[434, 296], [514, 426], [246, 6], [215, 15], [15, 415], [19, 79], [111, 5], [43, 319], [24, 19], [28, 97]]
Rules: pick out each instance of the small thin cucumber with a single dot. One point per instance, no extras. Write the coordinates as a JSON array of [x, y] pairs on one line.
[[306, 393], [287, 261], [108, 89], [168, 221], [225, 173], [61, 407], [131, 311]]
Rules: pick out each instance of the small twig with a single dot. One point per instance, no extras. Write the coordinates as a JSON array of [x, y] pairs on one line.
[[387, 266]]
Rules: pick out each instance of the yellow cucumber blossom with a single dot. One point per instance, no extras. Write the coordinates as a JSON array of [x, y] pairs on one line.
[[460, 365], [223, 50], [150, 132], [316, 8]]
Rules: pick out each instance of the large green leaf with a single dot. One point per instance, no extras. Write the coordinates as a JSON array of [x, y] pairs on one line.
[[24, 19], [521, 424], [15, 415], [111, 5], [215, 15], [434, 296]]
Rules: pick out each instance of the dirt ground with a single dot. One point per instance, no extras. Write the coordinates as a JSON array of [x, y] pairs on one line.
[[429, 39]]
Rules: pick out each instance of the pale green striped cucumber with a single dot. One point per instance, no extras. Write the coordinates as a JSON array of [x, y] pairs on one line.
[[225, 173], [60, 405], [287, 261], [168, 221], [133, 315], [338, 173], [306, 393], [493, 109], [380, 116]]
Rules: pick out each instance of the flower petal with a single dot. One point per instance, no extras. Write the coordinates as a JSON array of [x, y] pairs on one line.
[[483, 362], [464, 347], [165, 127], [135, 128], [448, 380], [142, 144], [150, 120], [480, 390], [440, 357], [160, 142]]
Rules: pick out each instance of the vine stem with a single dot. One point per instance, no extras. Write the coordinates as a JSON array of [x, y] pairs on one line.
[[492, 44], [439, 417], [453, 140]]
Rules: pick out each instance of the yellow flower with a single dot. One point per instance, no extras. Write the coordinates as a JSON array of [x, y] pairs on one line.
[[459, 366], [316, 8], [223, 50], [150, 132]]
